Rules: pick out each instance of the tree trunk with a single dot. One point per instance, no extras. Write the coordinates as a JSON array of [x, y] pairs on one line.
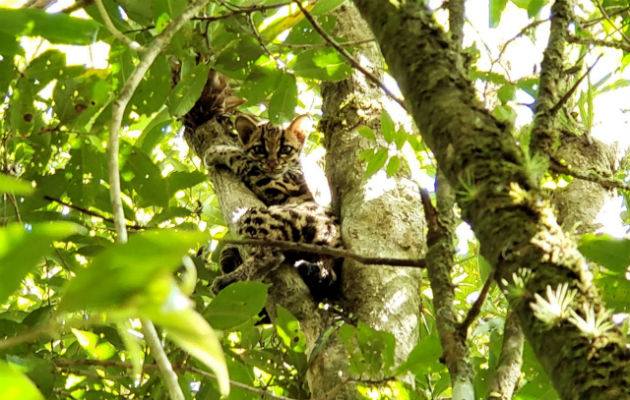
[[505, 207], [381, 217]]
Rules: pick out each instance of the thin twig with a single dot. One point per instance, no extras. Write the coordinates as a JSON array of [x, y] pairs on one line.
[[165, 367], [243, 10], [33, 334], [590, 176], [77, 6], [614, 44], [344, 53], [132, 44], [475, 309], [329, 251], [605, 14], [89, 212], [322, 45], [572, 90]]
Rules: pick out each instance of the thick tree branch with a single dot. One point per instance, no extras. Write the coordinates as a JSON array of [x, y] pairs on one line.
[[440, 241], [351, 60], [508, 371], [330, 251], [545, 136], [499, 197]]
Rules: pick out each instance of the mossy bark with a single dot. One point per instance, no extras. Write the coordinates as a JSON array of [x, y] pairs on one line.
[[380, 217], [502, 202]]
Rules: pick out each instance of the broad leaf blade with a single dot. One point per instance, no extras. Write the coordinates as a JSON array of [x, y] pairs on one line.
[[56, 28], [123, 271], [612, 253], [236, 304], [16, 386], [21, 248]]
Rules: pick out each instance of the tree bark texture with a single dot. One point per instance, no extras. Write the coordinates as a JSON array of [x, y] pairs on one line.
[[381, 217], [504, 205]]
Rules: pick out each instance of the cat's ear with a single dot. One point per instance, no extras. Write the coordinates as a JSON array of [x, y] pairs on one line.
[[244, 126], [299, 127]]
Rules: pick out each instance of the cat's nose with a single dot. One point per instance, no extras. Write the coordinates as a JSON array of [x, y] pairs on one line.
[[272, 164]]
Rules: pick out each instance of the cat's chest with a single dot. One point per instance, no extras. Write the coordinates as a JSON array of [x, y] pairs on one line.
[[289, 187]]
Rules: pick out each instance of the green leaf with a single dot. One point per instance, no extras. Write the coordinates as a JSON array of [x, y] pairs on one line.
[[392, 166], [94, 347], [12, 185], [15, 386], [325, 65], [178, 180], [9, 45], [185, 94], [534, 7], [424, 357], [376, 162], [283, 101], [260, 83], [56, 28], [22, 247], [506, 93], [288, 328], [614, 290], [236, 304], [521, 3], [484, 267], [324, 6], [367, 133], [191, 332], [148, 181], [123, 271], [496, 9], [612, 253], [387, 126]]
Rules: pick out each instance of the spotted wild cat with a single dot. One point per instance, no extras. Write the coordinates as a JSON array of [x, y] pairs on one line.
[[268, 162]]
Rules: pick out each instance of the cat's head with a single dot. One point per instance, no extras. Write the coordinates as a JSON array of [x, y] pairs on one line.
[[274, 149]]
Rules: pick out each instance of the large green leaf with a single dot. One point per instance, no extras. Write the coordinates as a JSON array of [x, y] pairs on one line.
[[9, 184], [22, 247], [16, 386], [236, 304], [123, 271], [283, 102], [148, 181], [612, 253], [321, 64], [56, 28]]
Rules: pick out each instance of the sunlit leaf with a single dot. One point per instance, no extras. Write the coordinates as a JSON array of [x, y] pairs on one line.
[[123, 271], [612, 253], [188, 90], [191, 332], [12, 185], [22, 247], [283, 101], [56, 28], [376, 162], [496, 9], [15, 386]]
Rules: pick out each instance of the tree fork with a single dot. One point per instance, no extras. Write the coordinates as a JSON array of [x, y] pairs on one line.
[[500, 200]]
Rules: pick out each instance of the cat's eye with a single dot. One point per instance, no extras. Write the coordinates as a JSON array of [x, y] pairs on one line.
[[286, 150], [259, 149]]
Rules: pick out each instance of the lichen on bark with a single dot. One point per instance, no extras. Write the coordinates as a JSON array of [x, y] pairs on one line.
[[500, 199]]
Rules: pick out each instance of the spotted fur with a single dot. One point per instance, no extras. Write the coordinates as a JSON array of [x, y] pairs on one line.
[[268, 162]]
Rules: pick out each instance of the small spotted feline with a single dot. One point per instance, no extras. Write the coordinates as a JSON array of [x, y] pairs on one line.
[[268, 162]]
